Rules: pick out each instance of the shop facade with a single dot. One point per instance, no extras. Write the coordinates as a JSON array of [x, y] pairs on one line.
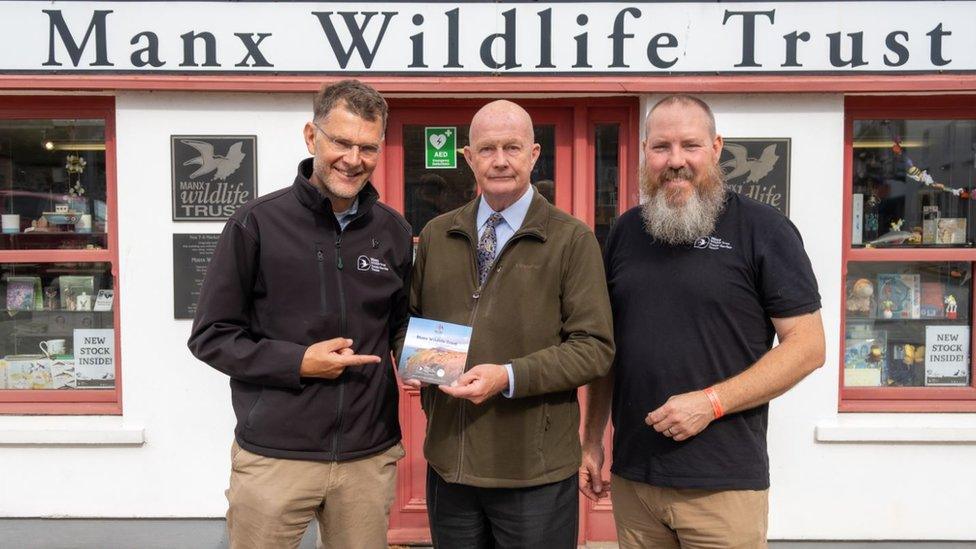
[[856, 119]]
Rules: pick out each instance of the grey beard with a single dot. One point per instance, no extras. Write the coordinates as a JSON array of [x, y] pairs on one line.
[[685, 224]]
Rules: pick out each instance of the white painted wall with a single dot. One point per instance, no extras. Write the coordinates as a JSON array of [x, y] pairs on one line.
[[821, 490]]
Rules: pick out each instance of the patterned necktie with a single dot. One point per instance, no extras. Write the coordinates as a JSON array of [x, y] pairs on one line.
[[486, 247]]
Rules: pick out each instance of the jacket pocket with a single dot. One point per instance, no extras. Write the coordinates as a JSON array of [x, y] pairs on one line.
[[545, 422], [302, 420]]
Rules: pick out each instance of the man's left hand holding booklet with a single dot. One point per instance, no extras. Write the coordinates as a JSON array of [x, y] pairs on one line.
[[434, 352]]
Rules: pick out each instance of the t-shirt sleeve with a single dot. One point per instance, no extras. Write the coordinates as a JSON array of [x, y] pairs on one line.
[[786, 282]]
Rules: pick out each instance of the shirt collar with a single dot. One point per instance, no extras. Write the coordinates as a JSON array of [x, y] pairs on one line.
[[353, 210], [514, 215]]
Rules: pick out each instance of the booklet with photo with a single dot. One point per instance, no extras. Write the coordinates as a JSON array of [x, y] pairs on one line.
[[434, 352]]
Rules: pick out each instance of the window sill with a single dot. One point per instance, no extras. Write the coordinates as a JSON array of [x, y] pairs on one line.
[[898, 429], [69, 432]]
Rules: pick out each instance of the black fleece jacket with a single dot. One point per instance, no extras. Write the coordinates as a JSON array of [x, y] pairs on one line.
[[284, 276]]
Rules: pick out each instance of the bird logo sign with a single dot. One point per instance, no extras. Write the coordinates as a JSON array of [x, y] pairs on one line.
[[759, 169], [213, 175], [221, 166]]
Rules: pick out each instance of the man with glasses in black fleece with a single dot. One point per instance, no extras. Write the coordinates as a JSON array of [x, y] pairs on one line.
[[302, 302]]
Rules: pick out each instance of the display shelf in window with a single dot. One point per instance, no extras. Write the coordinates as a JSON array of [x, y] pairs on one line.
[[908, 324], [913, 183], [57, 330], [53, 186]]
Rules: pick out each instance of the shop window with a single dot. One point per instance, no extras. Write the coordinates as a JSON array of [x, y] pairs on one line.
[[58, 337], [907, 334], [606, 165]]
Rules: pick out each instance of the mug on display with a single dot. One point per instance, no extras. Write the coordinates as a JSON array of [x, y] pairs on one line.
[[53, 347]]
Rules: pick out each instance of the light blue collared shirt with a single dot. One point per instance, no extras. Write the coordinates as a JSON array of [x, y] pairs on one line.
[[512, 216], [345, 217]]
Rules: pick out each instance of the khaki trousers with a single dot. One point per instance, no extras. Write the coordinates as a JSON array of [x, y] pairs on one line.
[[651, 517], [273, 500]]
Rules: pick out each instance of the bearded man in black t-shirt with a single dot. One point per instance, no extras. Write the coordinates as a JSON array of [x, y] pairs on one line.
[[701, 280]]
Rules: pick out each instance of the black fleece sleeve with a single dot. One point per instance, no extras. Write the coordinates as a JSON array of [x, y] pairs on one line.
[[221, 334]]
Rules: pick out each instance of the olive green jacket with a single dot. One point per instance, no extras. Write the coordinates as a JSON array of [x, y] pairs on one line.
[[544, 309]]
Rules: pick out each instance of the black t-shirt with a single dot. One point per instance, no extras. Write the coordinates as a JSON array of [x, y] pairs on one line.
[[687, 317]]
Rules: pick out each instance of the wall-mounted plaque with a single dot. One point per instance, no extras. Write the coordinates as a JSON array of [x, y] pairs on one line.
[[213, 175], [191, 256], [759, 168]]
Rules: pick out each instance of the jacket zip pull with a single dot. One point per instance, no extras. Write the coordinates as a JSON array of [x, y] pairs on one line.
[[338, 244]]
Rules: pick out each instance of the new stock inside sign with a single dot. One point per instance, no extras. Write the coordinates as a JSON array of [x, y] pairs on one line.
[[488, 37]]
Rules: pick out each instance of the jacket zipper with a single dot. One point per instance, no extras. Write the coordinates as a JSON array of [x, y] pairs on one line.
[[323, 290], [342, 333], [474, 311]]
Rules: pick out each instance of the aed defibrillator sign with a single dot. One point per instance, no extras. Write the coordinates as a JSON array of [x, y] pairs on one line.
[[441, 146]]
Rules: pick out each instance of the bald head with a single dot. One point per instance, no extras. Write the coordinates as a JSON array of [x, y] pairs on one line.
[[502, 113], [501, 151]]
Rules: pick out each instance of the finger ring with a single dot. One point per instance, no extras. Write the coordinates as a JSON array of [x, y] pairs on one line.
[[669, 431]]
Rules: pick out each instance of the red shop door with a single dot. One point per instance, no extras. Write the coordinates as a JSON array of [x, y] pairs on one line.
[[583, 168]]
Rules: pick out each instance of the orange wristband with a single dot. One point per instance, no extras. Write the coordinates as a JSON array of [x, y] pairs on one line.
[[716, 403]]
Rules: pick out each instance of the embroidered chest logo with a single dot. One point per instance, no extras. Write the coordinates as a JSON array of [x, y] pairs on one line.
[[712, 243], [366, 263]]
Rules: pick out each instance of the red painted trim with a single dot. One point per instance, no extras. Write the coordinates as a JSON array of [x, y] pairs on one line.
[[78, 402], [900, 399], [582, 187], [618, 83]]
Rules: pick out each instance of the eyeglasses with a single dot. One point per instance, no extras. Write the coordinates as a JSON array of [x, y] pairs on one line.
[[368, 151]]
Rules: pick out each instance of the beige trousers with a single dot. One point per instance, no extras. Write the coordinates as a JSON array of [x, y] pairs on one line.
[[651, 517], [273, 500]]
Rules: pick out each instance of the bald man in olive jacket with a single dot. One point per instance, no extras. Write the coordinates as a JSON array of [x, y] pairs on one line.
[[503, 466]]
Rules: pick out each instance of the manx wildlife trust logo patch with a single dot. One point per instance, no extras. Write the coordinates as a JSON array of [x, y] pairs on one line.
[[366, 263]]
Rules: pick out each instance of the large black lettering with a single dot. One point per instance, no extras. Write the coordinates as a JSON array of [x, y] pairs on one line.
[[581, 44], [148, 55], [857, 50], [96, 25], [618, 36], [545, 39], [508, 37], [896, 48], [663, 40], [342, 53], [253, 49], [749, 33], [792, 39], [190, 50], [937, 34]]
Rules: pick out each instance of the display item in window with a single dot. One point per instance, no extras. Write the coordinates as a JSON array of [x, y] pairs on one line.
[[75, 166], [899, 295], [951, 230], [871, 215], [906, 367], [930, 223], [932, 305], [950, 307], [915, 173], [864, 358], [860, 298]]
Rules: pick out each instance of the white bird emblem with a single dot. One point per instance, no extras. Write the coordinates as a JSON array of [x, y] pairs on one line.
[[209, 162], [741, 163]]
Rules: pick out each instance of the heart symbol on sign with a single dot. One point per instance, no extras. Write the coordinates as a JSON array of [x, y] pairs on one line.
[[438, 140]]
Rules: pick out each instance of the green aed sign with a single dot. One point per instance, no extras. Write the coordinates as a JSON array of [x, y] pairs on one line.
[[441, 145]]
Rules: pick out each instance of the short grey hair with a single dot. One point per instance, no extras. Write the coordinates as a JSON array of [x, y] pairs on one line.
[[687, 100]]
